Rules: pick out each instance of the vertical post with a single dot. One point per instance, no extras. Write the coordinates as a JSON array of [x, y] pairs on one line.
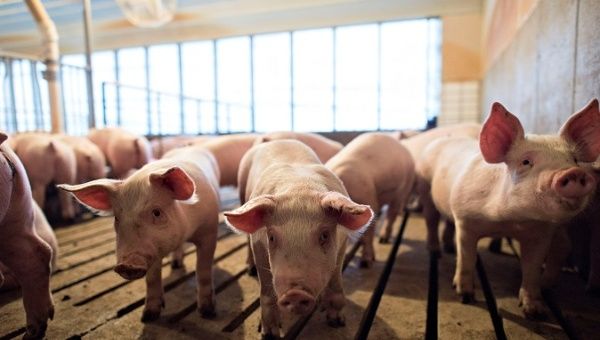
[[148, 95], [51, 53], [11, 87], [292, 81], [378, 76], [181, 102], [104, 102], [117, 90], [215, 65], [35, 93], [252, 101], [87, 21]]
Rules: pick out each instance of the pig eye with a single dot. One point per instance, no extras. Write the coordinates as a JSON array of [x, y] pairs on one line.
[[527, 162], [271, 238], [324, 238], [156, 212]]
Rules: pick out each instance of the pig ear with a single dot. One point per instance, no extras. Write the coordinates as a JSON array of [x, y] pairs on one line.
[[178, 182], [351, 215], [583, 130], [499, 132], [94, 194], [251, 216]]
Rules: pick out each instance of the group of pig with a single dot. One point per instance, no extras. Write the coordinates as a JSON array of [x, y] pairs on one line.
[[302, 196]]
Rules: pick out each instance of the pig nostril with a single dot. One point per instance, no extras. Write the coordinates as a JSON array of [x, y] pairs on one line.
[[285, 303], [582, 182], [564, 182], [305, 303]]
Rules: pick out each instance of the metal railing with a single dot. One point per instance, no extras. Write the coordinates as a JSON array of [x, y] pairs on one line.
[[151, 112], [24, 103]]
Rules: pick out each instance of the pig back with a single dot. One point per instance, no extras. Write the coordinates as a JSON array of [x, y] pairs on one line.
[[228, 151], [201, 157], [324, 147], [417, 144]]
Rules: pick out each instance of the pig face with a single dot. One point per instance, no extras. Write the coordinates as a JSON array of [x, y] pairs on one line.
[[303, 235], [148, 218], [545, 165]]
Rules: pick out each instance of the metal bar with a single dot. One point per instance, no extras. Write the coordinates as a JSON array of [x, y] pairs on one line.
[[18, 55], [148, 98], [252, 98], [35, 92], [62, 93], [13, 100], [117, 89], [292, 116], [87, 20], [104, 103], [181, 103], [334, 83], [158, 115], [215, 65], [431, 324], [490, 301], [378, 76]]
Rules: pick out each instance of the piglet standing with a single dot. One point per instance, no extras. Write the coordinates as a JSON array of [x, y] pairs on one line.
[[22, 251], [376, 170], [298, 215], [510, 184], [158, 208], [124, 150]]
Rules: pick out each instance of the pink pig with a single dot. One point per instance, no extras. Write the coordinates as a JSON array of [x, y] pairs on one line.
[[124, 150], [324, 147], [228, 151], [91, 163], [376, 170], [510, 184], [158, 208], [416, 144], [162, 145], [22, 251], [298, 215], [47, 160]]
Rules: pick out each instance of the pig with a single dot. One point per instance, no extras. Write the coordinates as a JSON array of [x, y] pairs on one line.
[[123, 150], [514, 185], [325, 148], [91, 162], [22, 250], [162, 145], [389, 182], [416, 144], [48, 160], [298, 216], [162, 205], [228, 151], [45, 232]]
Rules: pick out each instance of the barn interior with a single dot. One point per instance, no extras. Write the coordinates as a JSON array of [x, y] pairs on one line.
[[172, 71]]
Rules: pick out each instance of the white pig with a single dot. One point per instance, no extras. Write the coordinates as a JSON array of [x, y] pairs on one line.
[[513, 185], [376, 170], [298, 215], [162, 205], [22, 250], [324, 147]]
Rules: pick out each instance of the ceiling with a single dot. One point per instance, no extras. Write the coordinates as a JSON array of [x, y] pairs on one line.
[[206, 19]]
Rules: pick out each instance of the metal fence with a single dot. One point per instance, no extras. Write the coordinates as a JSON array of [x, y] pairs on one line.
[[24, 103]]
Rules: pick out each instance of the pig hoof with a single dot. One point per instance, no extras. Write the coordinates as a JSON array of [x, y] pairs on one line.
[[449, 248], [366, 263], [384, 240], [336, 322], [177, 264], [35, 332], [467, 298], [207, 312], [150, 315], [252, 271]]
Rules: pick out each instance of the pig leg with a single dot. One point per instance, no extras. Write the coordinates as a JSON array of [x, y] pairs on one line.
[[561, 247], [177, 258], [432, 217], [465, 263], [333, 296], [205, 252], [32, 269], [593, 284], [448, 237], [66, 205], [392, 214], [270, 323], [154, 292], [533, 254]]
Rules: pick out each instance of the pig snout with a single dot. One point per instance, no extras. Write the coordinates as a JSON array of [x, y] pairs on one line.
[[573, 183], [296, 301], [132, 267]]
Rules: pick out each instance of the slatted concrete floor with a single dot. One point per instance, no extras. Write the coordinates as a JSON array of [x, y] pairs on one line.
[[94, 302]]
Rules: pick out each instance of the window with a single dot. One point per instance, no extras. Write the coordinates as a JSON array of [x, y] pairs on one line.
[[199, 82], [272, 82], [133, 113], [163, 67]]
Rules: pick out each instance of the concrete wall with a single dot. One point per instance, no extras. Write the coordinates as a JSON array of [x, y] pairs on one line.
[[551, 66]]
